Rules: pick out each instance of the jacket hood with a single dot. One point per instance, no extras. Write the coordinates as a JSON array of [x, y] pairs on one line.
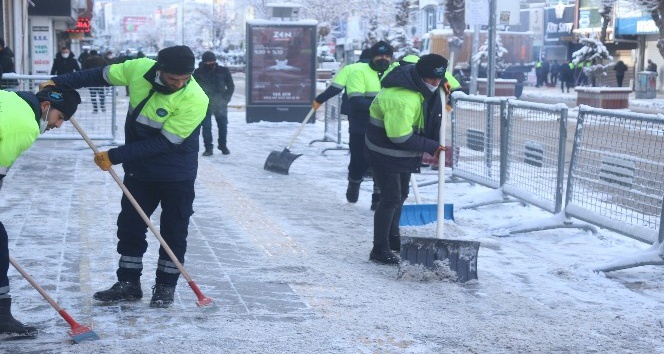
[[407, 77], [32, 100]]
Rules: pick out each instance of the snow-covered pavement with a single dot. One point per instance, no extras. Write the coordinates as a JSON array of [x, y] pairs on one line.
[[286, 260]]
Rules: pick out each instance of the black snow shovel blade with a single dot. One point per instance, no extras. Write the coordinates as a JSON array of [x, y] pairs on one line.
[[280, 162], [432, 253]]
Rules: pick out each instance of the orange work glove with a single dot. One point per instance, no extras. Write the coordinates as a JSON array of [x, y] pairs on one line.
[[103, 161], [447, 88], [46, 83], [436, 154], [448, 108], [315, 105]]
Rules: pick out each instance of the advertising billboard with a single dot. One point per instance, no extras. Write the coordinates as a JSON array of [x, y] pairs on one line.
[[281, 73]]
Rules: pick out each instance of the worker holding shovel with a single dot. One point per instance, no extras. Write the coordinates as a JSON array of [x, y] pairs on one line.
[[23, 116], [160, 160], [396, 140]]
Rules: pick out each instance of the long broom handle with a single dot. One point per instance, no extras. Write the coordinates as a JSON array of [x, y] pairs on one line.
[[304, 122], [43, 293], [440, 228], [133, 201], [416, 190]]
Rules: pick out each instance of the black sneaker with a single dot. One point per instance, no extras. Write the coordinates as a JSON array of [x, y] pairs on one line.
[[375, 199], [384, 256], [121, 291], [208, 152], [352, 192], [162, 295], [224, 149]]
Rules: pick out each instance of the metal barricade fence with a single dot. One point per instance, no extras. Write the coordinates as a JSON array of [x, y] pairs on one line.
[[476, 132], [616, 173], [97, 112], [332, 121], [535, 153]]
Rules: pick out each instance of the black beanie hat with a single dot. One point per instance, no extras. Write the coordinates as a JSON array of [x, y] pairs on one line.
[[63, 98], [366, 54], [431, 66], [177, 60], [208, 56], [381, 48]]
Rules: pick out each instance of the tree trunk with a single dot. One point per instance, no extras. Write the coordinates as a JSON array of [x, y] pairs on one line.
[[606, 17], [659, 21]]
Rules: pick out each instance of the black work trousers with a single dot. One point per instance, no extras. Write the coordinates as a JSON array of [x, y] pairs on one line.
[[176, 199], [393, 193]]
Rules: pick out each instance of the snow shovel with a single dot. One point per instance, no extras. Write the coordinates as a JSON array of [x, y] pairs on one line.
[[280, 161], [78, 332], [436, 253], [203, 302], [422, 214]]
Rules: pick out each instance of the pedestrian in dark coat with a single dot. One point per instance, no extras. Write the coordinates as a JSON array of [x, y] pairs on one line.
[[65, 62], [218, 85], [7, 66], [566, 76], [94, 60], [620, 69]]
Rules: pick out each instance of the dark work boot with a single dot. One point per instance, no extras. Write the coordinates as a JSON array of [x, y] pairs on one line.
[[383, 255], [208, 152], [375, 198], [9, 326], [353, 191], [395, 243], [162, 295], [224, 149], [121, 291]]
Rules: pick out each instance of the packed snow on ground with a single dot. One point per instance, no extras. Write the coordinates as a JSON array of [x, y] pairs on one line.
[[296, 240]]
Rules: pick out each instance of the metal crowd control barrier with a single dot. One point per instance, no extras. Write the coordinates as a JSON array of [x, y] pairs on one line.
[[534, 168], [616, 178], [333, 129], [101, 125], [476, 133]]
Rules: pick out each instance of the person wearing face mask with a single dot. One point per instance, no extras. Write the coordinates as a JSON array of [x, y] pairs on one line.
[[160, 161], [24, 116], [218, 85], [396, 139], [64, 62], [362, 86]]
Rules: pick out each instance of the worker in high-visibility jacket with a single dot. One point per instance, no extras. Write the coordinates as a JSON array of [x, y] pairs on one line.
[[160, 161], [339, 84], [396, 140], [23, 116], [362, 86]]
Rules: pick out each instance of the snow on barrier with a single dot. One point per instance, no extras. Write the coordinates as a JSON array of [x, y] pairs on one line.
[[476, 133], [333, 131], [616, 178], [100, 125]]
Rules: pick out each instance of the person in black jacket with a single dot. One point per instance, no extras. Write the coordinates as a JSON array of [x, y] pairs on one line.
[[7, 66], [64, 62], [94, 60], [218, 85], [620, 69]]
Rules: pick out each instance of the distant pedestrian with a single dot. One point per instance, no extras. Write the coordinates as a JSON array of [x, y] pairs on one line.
[[24, 116], [64, 62], [83, 56], [620, 69], [95, 60], [217, 82], [7, 66], [566, 76], [555, 68], [651, 66]]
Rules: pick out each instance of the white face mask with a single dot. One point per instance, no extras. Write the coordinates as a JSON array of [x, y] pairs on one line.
[[432, 88], [65, 55], [43, 122], [157, 79]]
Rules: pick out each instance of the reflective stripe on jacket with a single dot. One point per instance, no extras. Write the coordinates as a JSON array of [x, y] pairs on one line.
[[362, 86], [18, 128]]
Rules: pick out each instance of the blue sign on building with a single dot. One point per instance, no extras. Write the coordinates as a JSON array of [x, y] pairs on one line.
[[636, 25]]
